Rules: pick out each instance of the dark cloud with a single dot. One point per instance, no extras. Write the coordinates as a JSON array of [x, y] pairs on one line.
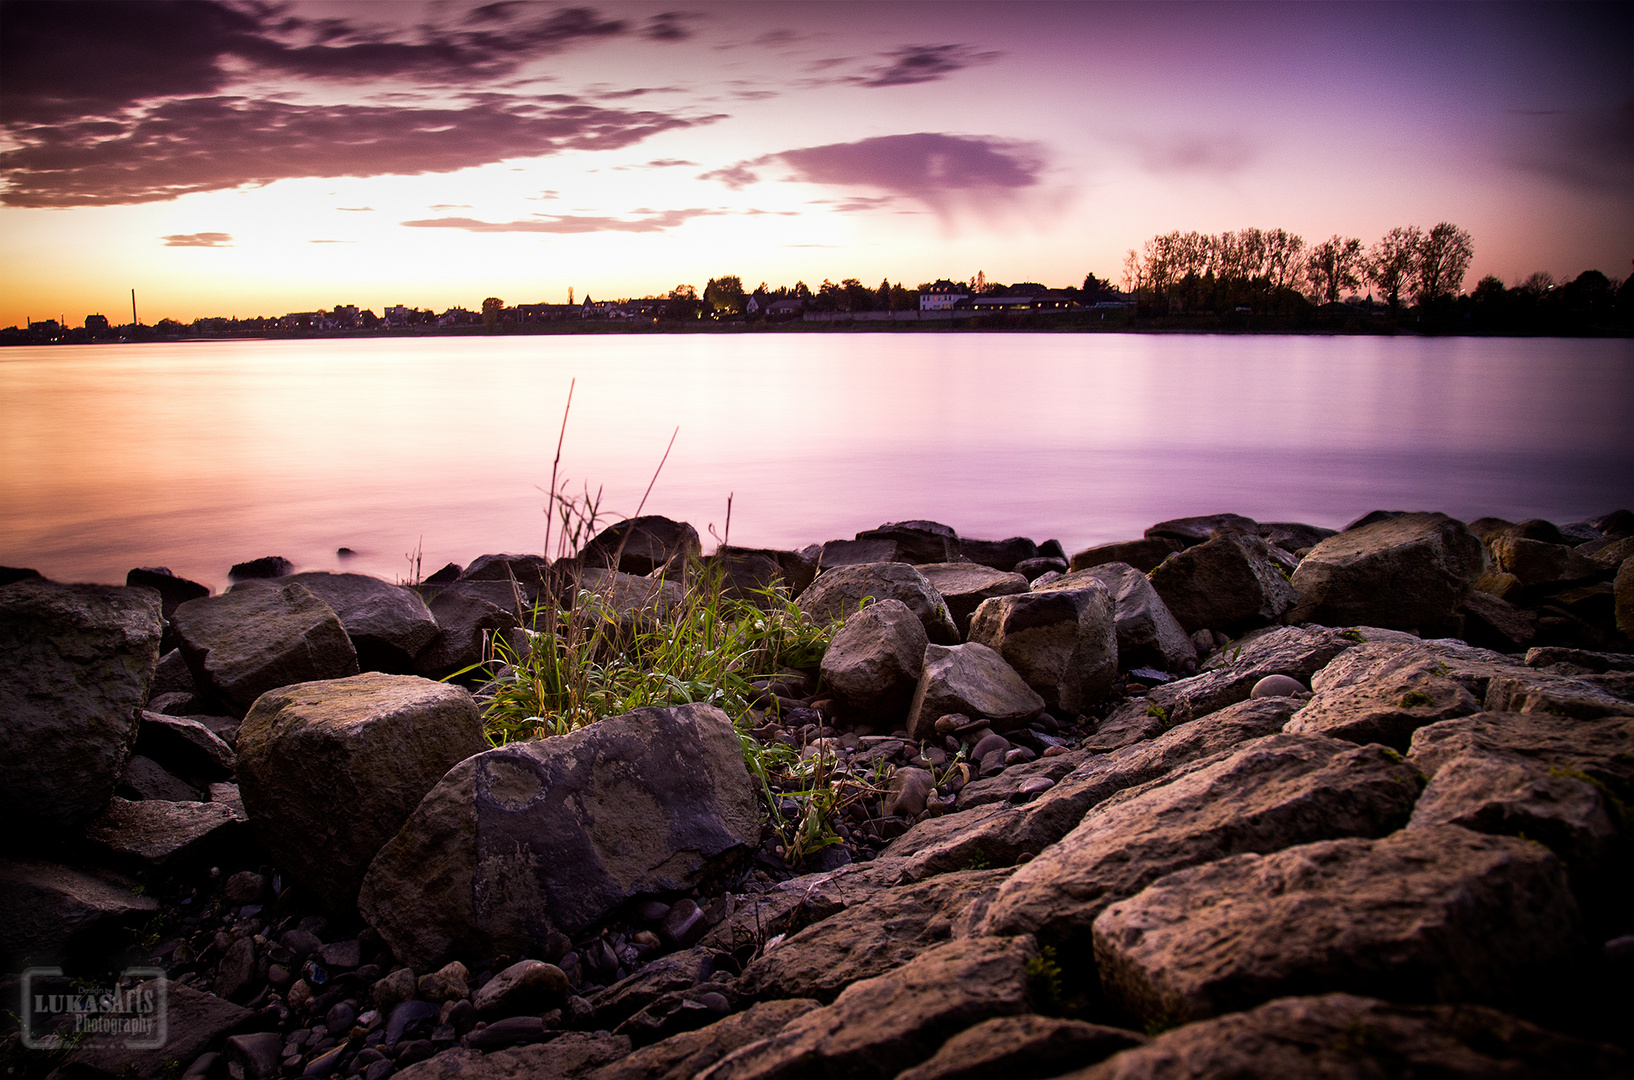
[[1210, 154], [670, 25], [647, 221], [1590, 149], [207, 144], [668, 163], [735, 176], [198, 239], [925, 63]]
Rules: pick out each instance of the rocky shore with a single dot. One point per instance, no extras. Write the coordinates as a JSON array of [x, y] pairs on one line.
[[1229, 799]]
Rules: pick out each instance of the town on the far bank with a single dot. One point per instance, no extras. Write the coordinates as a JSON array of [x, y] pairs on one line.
[[1247, 280]]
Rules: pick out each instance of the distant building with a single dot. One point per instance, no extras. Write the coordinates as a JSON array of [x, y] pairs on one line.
[[942, 296], [96, 323], [789, 306]]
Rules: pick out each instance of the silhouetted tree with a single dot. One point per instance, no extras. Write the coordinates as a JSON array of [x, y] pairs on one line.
[[1333, 267], [1444, 256], [1391, 262]]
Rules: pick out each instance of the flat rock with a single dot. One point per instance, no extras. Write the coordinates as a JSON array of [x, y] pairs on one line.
[[880, 1026], [514, 843], [49, 913], [838, 592], [155, 835], [389, 625], [195, 1022], [1022, 1046], [186, 746], [566, 1057], [1229, 583], [79, 663], [1192, 531], [1294, 536], [873, 662], [918, 541], [1410, 570], [329, 771], [867, 939], [996, 835], [643, 544], [789, 906], [1412, 917], [684, 1056], [243, 643], [837, 553], [965, 585], [1270, 793], [1148, 635], [1345, 1037], [669, 974], [1061, 641], [1011, 785], [1492, 622], [146, 779], [974, 680], [1143, 555], [999, 554]]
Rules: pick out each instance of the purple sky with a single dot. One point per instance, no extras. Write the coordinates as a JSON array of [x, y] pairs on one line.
[[437, 153]]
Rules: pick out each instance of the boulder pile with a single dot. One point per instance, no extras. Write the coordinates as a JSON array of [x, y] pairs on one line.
[[1231, 798]]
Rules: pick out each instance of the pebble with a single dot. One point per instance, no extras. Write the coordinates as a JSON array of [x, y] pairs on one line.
[[951, 722], [1018, 756], [1035, 785], [1277, 686], [1054, 751], [989, 744]]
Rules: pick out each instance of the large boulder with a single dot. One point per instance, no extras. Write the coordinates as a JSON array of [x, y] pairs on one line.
[[1538, 562], [629, 601], [838, 592], [880, 1026], [79, 660], [1410, 917], [644, 544], [1143, 555], [1346, 1037], [1022, 1046], [389, 624], [974, 680], [1271, 793], [1406, 571], [684, 1056], [465, 627], [1229, 583], [965, 585], [536, 837], [1063, 642], [918, 541], [243, 643], [748, 573], [157, 835], [999, 554], [1148, 635], [874, 661], [51, 913], [329, 771], [195, 1023], [185, 746], [853, 552]]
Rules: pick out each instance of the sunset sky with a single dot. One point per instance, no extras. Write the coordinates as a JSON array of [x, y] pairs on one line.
[[259, 158]]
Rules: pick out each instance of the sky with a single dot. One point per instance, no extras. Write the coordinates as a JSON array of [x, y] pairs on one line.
[[257, 158]]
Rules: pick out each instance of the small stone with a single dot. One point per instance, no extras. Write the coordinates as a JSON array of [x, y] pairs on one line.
[[654, 910], [344, 955], [684, 924], [1054, 751], [379, 1070], [989, 744], [1277, 686], [1035, 785], [908, 792], [254, 1057], [447, 983], [1020, 755], [325, 1063], [299, 996], [340, 1018], [412, 1053], [507, 1032], [407, 1017], [393, 990], [244, 887], [950, 723], [528, 986]]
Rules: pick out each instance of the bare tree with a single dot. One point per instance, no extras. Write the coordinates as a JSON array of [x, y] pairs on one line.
[[1443, 260], [1282, 251], [1391, 261], [1333, 267]]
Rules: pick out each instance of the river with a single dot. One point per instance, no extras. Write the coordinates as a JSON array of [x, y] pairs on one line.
[[198, 455]]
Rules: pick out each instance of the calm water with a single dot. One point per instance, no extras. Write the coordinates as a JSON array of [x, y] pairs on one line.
[[197, 456]]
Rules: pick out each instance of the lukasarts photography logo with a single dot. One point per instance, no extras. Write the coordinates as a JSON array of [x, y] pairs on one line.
[[60, 1012]]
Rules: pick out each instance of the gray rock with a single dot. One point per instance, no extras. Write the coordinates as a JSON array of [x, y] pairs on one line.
[[998, 835], [918, 541], [684, 1056], [256, 1056], [146, 779], [506, 594], [565, 1057], [527, 986], [644, 544], [1491, 622], [1535, 562], [243, 643], [173, 591], [965, 585], [536, 837], [194, 1022], [634, 603], [1277, 686], [1229, 583], [854, 552], [880, 1026], [873, 662], [907, 791], [186, 746], [465, 625], [267, 566], [973, 680], [999, 554], [226, 795], [1577, 661], [1022, 1046], [676, 972], [1061, 641], [1017, 784], [1148, 635], [1295, 651], [1043, 566], [153, 835], [1293, 536], [1344, 1037], [1143, 555], [330, 770], [872, 937], [1405, 571], [838, 592], [513, 582], [236, 973], [79, 662], [1133, 721], [1271, 793], [1413, 915], [389, 624], [747, 573], [49, 913], [172, 676], [789, 906], [1191, 531]]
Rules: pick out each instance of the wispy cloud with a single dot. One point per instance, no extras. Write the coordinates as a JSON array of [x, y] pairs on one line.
[[1216, 155], [198, 239], [645, 221], [356, 209], [925, 63]]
